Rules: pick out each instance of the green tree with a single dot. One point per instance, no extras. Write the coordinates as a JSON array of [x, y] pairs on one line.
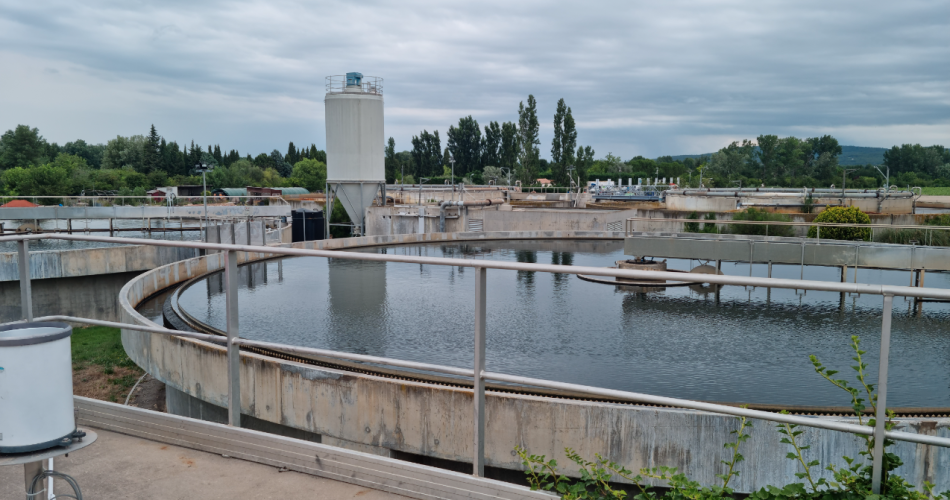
[[125, 152], [529, 155], [92, 153], [508, 152], [491, 145], [767, 155], [585, 162], [292, 156], [557, 147], [916, 158], [490, 173], [733, 159], [821, 155], [310, 174], [151, 152], [568, 143], [392, 165], [427, 154], [465, 144], [22, 147], [791, 157], [42, 180], [317, 154]]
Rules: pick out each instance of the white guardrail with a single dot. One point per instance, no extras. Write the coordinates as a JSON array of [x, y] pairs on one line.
[[478, 373]]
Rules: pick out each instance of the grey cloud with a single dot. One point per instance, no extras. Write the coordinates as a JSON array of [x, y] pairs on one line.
[[641, 78]]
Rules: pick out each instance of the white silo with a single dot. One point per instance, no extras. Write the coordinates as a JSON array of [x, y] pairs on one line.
[[356, 172]]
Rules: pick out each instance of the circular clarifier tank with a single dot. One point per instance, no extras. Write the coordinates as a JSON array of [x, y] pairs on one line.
[[737, 344]]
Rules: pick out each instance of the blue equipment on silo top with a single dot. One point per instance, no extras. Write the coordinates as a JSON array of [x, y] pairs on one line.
[[353, 78]]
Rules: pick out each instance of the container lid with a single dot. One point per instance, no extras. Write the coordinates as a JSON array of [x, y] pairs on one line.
[[39, 332]]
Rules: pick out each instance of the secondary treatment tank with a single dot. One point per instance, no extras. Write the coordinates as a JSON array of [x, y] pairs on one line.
[[356, 172]]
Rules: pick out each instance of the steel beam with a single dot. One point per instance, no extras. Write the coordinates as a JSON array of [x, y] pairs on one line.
[[26, 289]]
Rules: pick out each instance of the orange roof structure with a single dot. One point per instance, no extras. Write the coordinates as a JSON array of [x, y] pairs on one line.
[[19, 204]]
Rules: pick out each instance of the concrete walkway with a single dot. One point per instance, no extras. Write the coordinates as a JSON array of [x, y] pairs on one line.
[[117, 467]]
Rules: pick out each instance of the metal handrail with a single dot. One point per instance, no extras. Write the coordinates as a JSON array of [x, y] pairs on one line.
[[478, 373], [791, 223]]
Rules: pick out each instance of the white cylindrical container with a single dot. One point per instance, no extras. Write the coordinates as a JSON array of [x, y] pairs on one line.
[[355, 137], [36, 386], [356, 169]]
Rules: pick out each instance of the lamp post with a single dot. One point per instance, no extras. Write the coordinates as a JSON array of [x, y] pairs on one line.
[[452, 162], [204, 168], [887, 178]]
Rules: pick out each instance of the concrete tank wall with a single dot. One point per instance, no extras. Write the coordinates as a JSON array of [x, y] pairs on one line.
[[766, 200], [382, 221], [436, 421]]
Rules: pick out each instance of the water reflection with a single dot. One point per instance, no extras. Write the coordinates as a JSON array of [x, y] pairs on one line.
[[357, 306]]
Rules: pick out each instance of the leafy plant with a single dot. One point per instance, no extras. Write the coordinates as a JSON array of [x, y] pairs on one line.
[[755, 214], [842, 215], [852, 481], [808, 205]]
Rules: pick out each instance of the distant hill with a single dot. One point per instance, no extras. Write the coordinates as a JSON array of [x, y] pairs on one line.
[[850, 155], [855, 155]]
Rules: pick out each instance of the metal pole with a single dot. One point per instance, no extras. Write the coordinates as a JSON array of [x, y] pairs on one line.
[[234, 353], [204, 196], [478, 462], [880, 416], [26, 291]]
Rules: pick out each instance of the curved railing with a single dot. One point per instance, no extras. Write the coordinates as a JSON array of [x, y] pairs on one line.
[[478, 374]]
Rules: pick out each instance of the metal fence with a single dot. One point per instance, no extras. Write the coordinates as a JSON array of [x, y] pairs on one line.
[[927, 238], [477, 373]]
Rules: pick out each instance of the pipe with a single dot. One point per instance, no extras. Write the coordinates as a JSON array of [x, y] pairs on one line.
[[775, 194], [474, 203]]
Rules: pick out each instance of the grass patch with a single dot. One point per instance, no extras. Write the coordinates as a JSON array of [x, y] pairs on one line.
[[936, 191], [101, 369]]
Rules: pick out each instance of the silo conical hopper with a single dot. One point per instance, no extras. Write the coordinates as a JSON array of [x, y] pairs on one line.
[[356, 171]]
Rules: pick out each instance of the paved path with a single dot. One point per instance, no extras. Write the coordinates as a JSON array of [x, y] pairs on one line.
[[117, 466]]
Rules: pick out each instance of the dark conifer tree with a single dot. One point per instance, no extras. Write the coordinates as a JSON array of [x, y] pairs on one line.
[[151, 157]]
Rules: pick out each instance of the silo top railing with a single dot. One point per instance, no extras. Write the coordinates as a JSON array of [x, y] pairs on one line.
[[337, 84]]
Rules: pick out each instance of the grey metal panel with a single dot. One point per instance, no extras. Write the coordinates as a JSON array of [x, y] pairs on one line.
[[787, 251], [226, 233], [371, 471]]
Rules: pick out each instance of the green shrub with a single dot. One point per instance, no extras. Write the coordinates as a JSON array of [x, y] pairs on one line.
[[849, 482], [755, 214], [694, 227], [842, 215]]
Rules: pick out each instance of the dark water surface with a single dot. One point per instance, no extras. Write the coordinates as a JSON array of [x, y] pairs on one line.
[[751, 345]]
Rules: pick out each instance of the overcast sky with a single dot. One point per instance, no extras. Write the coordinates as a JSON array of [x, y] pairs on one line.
[[642, 78]]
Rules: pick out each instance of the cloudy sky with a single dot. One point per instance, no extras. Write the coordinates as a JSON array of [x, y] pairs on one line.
[[642, 78]]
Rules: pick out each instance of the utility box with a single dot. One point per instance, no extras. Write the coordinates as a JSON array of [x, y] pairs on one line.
[[307, 225]]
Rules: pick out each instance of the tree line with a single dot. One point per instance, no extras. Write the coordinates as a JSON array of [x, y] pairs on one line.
[[494, 152], [813, 162], [32, 166]]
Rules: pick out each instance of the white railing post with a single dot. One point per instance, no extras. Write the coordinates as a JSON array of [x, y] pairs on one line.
[[880, 415], [234, 353], [26, 290], [478, 462]]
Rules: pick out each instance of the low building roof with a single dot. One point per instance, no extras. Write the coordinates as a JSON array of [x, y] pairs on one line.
[[19, 204], [230, 191]]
